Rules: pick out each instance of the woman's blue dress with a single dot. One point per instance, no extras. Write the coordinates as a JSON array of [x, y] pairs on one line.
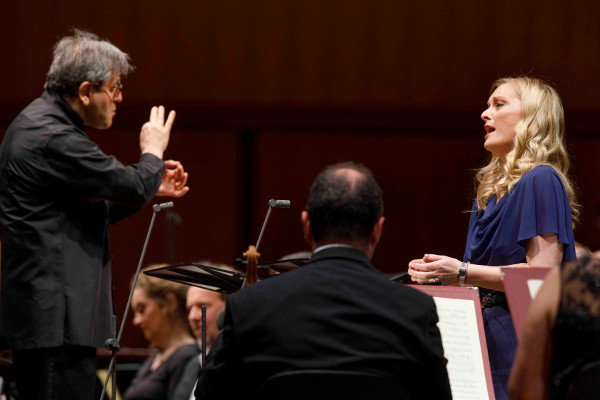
[[536, 205]]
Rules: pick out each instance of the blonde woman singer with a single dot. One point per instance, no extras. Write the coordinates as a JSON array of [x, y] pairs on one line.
[[523, 212]]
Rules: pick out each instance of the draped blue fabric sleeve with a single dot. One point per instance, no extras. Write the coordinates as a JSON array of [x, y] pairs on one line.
[[536, 205], [546, 207]]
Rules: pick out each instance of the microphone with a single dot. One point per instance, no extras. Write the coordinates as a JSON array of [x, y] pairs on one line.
[[162, 206], [272, 204], [279, 203]]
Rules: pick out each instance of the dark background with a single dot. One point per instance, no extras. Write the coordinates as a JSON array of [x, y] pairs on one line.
[[270, 92]]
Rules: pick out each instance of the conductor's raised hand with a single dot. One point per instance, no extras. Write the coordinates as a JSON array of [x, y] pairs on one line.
[[433, 268], [174, 180], [155, 133]]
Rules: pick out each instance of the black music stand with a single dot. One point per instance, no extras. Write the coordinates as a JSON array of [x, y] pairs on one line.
[[219, 279]]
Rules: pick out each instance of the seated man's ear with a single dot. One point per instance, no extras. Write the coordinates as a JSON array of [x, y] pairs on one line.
[[377, 231], [306, 229]]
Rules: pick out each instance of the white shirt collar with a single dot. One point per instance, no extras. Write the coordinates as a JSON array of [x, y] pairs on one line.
[[329, 246]]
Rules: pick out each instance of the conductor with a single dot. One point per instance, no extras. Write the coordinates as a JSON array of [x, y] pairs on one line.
[[58, 194]]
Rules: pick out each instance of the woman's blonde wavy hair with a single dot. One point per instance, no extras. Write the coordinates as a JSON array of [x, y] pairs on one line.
[[539, 140]]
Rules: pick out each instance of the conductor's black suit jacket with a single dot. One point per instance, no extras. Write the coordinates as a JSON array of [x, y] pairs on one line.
[[58, 194], [336, 312]]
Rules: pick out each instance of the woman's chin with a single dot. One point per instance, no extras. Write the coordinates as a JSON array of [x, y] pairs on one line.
[[490, 147], [500, 151]]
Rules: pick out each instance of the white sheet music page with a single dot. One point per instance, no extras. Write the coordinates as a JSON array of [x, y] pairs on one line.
[[462, 348], [534, 286]]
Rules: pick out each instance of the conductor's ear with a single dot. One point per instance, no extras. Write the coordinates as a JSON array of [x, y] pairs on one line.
[[85, 93]]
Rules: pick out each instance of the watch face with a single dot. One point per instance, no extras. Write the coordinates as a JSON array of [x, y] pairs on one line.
[[462, 273]]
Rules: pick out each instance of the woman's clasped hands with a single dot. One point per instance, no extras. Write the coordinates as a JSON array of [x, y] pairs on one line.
[[433, 269]]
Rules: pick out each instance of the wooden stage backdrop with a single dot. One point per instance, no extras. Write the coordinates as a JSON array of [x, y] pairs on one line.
[[270, 92]]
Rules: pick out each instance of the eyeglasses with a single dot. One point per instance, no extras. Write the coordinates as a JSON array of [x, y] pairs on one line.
[[114, 91]]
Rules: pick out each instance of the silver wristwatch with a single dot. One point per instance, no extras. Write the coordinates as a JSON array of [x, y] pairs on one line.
[[462, 273]]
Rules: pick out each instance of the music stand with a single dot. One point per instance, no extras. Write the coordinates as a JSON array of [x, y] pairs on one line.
[[521, 285], [219, 279], [203, 276], [463, 337]]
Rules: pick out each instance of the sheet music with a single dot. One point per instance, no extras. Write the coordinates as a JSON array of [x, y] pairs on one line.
[[462, 348], [534, 286]]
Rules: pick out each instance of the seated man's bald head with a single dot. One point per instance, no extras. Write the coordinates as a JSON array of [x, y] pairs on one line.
[[344, 205]]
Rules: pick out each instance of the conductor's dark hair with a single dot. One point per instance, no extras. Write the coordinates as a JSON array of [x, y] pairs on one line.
[[344, 206]]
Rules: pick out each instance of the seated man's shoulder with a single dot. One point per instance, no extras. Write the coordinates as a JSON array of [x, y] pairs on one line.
[[412, 294]]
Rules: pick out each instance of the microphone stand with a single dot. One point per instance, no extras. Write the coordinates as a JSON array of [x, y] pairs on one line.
[[113, 344], [203, 358], [272, 204], [252, 254]]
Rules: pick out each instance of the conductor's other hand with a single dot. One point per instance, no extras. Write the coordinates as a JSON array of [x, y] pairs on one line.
[[173, 180], [155, 133]]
